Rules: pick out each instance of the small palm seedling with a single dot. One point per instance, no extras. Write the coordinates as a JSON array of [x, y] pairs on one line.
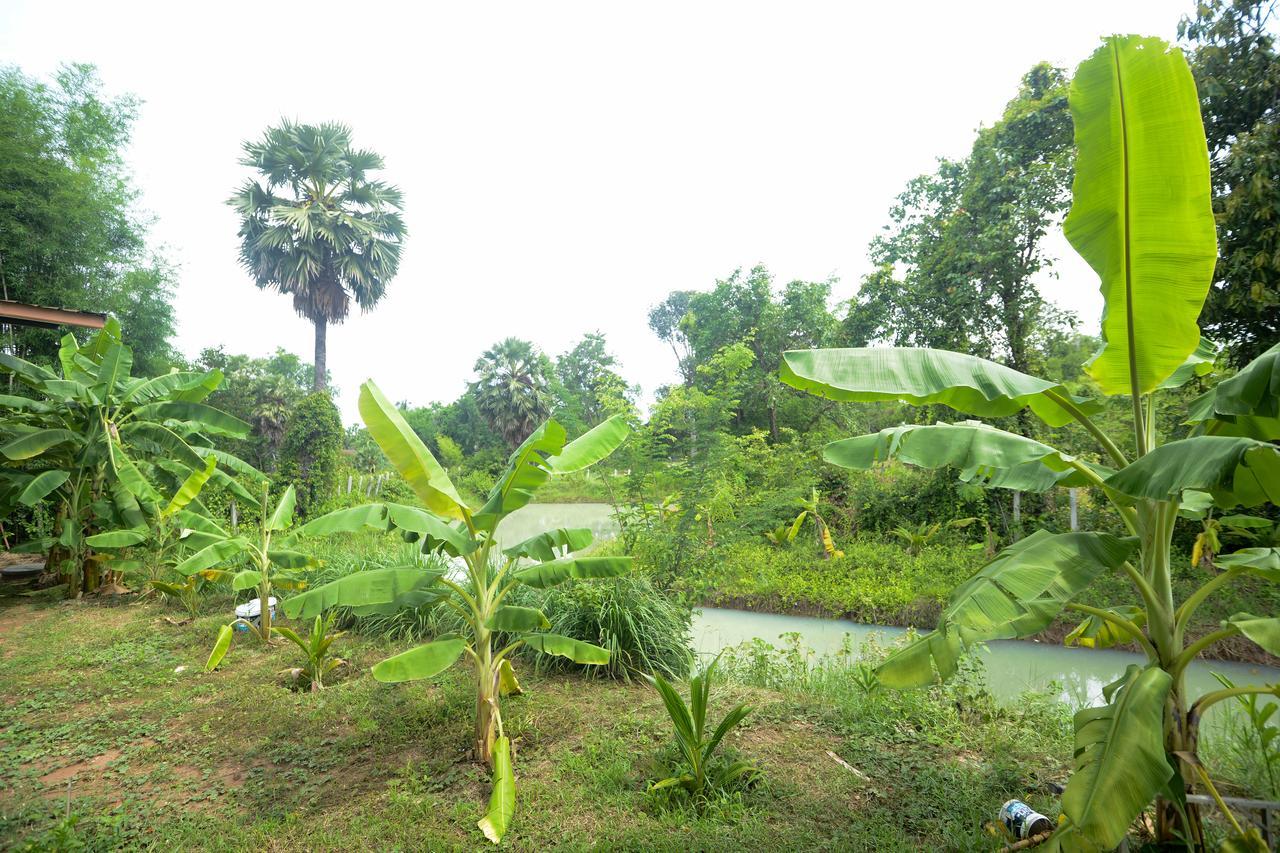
[[316, 647], [704, 775]]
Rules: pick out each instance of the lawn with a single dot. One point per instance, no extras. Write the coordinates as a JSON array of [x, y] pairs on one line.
[[111, 736]]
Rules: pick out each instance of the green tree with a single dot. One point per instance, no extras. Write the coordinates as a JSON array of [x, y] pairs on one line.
[[969, 239], [511, 389], [310, 452], [316, 226], [1236, 64], [591, 389], [69, 232], [665, 320]]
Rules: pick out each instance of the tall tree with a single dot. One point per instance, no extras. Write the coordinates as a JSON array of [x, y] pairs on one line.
[[316, 226], [666, 319], [511, 388], [965, 250], [70, 235], [591, 388], [1233, 55]]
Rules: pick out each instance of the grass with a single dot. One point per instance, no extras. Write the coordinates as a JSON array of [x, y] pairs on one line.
[[156, 758]]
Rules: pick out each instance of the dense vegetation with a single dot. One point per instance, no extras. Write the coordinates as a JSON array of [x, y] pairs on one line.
[[1120, 491]]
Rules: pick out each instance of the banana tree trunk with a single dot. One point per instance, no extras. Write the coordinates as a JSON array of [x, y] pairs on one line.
[[486, 714]]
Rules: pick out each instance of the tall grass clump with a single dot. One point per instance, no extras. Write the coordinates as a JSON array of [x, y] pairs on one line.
[[643, 629]]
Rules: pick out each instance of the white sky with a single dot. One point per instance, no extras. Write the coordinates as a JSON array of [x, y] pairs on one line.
[[565, 165]]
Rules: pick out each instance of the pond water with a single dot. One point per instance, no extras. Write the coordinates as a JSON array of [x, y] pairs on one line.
[[533, 519], [1012, 666]]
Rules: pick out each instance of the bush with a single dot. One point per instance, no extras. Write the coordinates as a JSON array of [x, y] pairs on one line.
[[873, 582], [643, 629]]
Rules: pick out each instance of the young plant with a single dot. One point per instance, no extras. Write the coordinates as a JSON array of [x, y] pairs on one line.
[[1141, 216], [488, 573], [785, 535], [916, 538], [826, 545], [704, 774], [273, 565], [319, 662]]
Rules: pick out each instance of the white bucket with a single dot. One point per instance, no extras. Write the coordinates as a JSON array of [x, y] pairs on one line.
[[253, 609]]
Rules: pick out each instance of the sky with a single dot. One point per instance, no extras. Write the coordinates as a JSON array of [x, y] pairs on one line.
[[565, 165]]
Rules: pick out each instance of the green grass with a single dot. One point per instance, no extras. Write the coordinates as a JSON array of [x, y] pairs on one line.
[[231, 760]]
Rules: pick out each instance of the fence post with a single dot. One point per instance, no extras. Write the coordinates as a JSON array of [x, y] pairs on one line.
[[1075, 511]]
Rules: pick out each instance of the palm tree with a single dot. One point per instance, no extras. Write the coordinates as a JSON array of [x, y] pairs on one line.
[[511, 389], [316, 226]]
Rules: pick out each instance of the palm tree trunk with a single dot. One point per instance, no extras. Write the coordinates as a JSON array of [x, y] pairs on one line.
[[322, 327]]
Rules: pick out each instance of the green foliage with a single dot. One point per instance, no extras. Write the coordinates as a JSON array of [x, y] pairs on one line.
[[69, 232], [311, 451], [100, 443], [643, 630], [315, 226], [703, 774]]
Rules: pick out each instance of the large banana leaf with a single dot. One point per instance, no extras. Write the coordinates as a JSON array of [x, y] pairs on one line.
[[513, 618], [1263, 562], [592, 446], [527, 470], [1248, 403], [365, 589], [547, 575], [1141, 214], [32, 444], [41, 486], [190, 487], [282, 515], [207, 418], [1265, 631], [981, 452], [1120, 762], [421, 662], [212, 555], [1017, 594], [1236, 471], [921, 376], [567, 647], [544, 546], [384, 516], [408, 454], [502, 802]]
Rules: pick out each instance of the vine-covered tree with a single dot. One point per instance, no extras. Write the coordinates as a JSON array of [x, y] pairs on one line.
[[316, 226]]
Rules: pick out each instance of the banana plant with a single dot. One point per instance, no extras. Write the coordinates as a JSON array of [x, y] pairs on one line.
[[93, 440], [1141, 217], [486, 572], [826, 545], [916, 538], [273, 564], [784, 535]]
